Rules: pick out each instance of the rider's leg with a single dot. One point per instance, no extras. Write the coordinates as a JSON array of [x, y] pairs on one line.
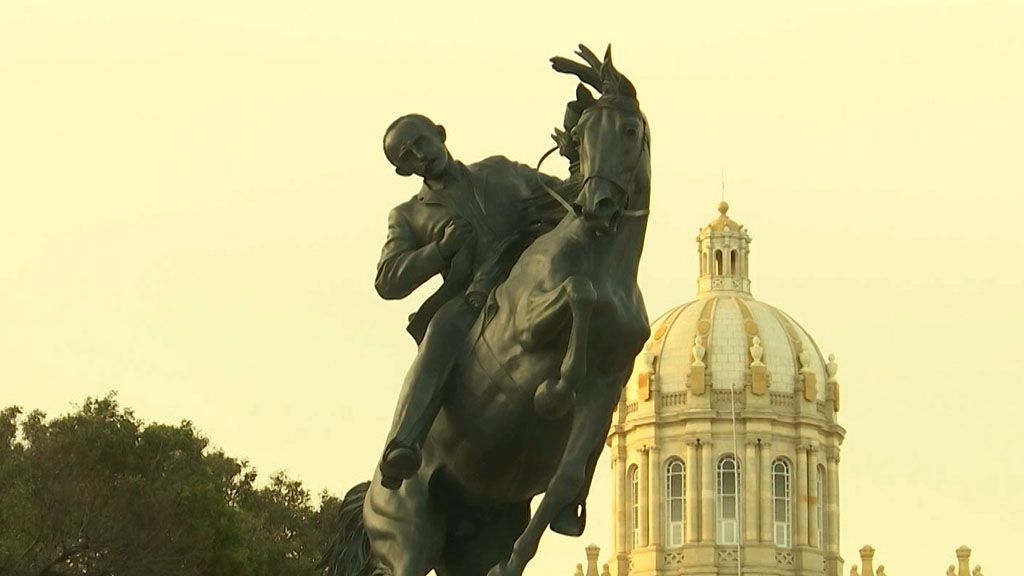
[[422, 392]]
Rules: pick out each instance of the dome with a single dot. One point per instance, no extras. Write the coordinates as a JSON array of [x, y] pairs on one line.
[[727, 326], [726, 434], [725, 339]]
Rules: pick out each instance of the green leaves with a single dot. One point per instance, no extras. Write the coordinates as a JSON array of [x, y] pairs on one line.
[[100, 492]]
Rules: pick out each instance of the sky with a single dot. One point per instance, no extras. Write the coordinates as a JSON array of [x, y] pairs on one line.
[[193, 199]]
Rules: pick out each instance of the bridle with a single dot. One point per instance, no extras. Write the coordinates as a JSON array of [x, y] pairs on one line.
[[603, 103]]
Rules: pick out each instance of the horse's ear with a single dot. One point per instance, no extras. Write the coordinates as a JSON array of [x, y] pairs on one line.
[[613, 80], [442, 133], [609, 75], [584, 97], [626, 87]]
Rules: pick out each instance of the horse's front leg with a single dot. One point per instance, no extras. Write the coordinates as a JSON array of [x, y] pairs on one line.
[[572, 301], [589, 428]]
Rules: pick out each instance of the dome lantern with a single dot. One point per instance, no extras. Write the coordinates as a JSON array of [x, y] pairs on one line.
[[723, 247]]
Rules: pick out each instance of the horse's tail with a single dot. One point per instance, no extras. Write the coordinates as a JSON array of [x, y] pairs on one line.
[[349, 553]]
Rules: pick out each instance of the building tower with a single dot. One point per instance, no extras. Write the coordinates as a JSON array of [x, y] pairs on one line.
[[725, 446]]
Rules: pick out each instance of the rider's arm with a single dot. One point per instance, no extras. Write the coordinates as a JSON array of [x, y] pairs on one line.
[[405, 264]]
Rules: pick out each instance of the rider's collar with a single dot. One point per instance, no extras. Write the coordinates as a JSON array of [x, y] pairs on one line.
[[428, 193]]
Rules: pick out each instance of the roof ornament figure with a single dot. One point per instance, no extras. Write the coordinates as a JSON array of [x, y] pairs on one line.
[[832, 367], [756, 352], [833, 384], [698, 351]]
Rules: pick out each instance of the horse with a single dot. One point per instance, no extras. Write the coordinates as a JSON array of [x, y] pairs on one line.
[[529, 403]]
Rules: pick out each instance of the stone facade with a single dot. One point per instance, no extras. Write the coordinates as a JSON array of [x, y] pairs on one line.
[[725, 446]]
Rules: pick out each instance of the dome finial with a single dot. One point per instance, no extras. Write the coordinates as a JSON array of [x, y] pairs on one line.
[[723, 207]]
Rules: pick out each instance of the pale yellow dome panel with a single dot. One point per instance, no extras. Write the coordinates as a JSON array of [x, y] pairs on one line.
[[817, 362], [676, 354], [728, 353]]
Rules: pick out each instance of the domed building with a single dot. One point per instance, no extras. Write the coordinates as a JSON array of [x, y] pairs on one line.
[[725, 445]]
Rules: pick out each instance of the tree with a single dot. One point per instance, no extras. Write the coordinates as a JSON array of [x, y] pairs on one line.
[[97, 492]]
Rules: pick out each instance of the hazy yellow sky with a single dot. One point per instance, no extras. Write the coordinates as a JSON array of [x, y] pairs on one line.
[[193, 198]]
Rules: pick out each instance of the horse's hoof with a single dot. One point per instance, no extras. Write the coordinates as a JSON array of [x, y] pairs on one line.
[[553, 399]]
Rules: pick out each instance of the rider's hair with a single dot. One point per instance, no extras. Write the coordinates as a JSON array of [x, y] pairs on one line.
[[399, 120]]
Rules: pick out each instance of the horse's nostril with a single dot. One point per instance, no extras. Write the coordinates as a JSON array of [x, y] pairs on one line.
[[604, 206]]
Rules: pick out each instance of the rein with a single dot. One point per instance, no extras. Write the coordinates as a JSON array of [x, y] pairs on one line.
[[568, 207]]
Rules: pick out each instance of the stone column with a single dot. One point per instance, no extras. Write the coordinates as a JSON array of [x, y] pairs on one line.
[[645, 490], [801, 495], [767, 514], [750, 478], [707, 492], [693, 497], [813, 498], [833, 501], [656, 498], [621, 510]]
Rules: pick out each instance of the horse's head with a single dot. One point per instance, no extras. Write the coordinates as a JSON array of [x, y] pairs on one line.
[[612, 140]]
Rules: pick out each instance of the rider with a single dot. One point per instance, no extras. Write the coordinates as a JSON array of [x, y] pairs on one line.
[[468, 223]]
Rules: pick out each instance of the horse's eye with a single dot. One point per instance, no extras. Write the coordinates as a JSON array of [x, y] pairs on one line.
[[631, 131]]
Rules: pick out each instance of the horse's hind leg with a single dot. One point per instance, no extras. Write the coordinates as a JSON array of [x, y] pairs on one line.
[[488, 542], [406, 533], [572, 301]]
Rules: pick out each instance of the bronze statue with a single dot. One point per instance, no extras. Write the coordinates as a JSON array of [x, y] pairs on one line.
[[530, 395], [467, 223]]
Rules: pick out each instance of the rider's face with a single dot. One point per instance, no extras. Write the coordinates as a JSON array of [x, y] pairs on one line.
[[415, 147]]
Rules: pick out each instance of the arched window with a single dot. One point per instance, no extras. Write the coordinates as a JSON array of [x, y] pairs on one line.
[[675, 502], [704, 263], [634, 507], [728, 504], [782, 496], [733, 263], [718, 262], [821, 507]]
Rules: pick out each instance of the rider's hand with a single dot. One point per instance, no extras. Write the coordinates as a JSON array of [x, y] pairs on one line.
[[456, 233]]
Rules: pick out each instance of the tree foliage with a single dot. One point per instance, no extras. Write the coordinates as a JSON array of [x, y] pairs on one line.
[[99, 493]]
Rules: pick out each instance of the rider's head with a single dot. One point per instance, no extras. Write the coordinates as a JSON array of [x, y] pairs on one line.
[[415, 145]]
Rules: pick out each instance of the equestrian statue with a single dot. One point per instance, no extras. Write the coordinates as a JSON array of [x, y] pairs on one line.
[[524, 350]]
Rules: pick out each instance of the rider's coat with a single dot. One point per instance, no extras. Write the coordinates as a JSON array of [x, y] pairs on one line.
[[502, 200]]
